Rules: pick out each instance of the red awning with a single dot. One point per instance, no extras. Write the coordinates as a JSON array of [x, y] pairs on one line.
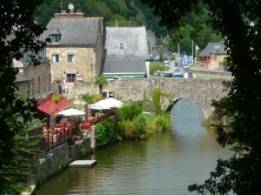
[[48, 106]]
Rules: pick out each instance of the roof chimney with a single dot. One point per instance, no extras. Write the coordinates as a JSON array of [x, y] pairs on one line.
[[70, 12]]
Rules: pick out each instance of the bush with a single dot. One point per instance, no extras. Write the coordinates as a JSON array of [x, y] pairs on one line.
[[140, 126], [127, 129], [157, 67], [158, 123], [163, 122], [156, 96], [107, 132], [129, 111]]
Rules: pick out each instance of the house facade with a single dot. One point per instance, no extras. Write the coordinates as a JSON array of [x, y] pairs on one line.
[[213, 55], [75, 46], [33, 80], [126, 52]]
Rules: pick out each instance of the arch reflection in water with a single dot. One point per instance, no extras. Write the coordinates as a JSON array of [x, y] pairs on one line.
[[187, 118]]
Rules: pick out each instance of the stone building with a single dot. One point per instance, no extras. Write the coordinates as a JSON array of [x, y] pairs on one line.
[[126, 52], [33, 80], [75, 46], [213, 55]]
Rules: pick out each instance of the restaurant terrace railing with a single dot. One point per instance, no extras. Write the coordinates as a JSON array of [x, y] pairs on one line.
[[65, 131]]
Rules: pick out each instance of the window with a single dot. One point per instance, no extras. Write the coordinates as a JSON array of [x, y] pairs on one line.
[[55, 38], [121, 46], [71, 58], [70, 77], [55, 58]]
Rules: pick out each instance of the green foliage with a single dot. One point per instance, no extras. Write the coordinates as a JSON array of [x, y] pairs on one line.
[[107, 132], [16, 17], [194, 27], [157, 123], [156, 96], [100, 81], [140, 126], [129, 111], [146, 104], [240, 173], [26, 151], [83, 150], [157, 67], [90, 99], [127, 129], [125, 13], [56, 98], [143, 125]]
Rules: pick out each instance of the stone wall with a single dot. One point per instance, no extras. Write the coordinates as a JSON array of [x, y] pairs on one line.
[[59, 158], [38, 80], [78, 89], [201, 91], [40, 74], [84, 64], [24, 87]]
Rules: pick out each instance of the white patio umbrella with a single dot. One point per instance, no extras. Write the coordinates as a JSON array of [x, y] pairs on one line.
[[98, 107], [106, 104], [71, 112]]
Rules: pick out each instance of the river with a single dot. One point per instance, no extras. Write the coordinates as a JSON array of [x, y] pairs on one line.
[[165, 164]]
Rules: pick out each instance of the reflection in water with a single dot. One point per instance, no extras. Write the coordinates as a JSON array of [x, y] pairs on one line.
[[187, 119], [164, 164]]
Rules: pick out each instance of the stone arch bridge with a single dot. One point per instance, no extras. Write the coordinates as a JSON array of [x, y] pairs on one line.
[[200, 91]]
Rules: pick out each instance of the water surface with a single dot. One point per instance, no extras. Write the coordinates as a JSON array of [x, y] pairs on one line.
[[164, 164]]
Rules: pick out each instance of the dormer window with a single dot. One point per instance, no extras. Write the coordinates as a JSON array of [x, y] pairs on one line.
[[55, 38]]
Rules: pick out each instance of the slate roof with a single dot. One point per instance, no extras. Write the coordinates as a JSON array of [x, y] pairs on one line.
[[124, 42], [78, 30], [131, 65], [213, 47]]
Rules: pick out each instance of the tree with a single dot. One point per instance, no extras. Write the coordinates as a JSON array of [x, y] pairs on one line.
[[90, 99], [18, 30], [125, 12], [100, 81], [239, 22], [194, 27]]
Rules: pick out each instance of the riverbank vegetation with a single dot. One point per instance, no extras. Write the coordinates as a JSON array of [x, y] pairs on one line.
[[134, 121], [240, 173]]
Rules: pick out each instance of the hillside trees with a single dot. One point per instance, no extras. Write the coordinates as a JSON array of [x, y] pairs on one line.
[[239, 22], [123, 13], [196, 27]]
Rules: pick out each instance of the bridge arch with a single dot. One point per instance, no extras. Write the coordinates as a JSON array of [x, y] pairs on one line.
[[200, 91], [206, 109], [176, 100]]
